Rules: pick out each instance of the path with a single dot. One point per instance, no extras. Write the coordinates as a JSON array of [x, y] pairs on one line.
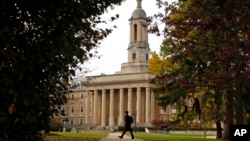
[[114, 137]]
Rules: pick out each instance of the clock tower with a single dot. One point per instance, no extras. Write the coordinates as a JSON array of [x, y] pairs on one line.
[[138, 48]]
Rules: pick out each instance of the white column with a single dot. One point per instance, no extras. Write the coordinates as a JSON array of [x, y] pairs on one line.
[[87, 107], [130, 100], [138, 105], [152, 106], [103, 106], [95, 108], [121, 110], [111, 108], [147, 105]]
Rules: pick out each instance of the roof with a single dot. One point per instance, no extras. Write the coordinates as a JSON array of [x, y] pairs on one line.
[[138, 13]]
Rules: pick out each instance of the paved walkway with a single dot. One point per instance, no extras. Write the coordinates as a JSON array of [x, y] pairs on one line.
[[114, 137]]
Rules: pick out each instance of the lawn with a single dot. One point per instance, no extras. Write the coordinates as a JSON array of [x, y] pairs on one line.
[[68, 136], [96, 136], [172, 137]]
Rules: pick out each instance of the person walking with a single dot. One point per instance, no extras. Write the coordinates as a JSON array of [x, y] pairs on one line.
[[127, 127]]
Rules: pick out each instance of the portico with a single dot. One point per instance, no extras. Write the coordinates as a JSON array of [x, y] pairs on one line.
[[112, 99]]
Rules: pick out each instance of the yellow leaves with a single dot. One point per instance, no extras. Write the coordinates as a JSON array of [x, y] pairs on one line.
[[160, 66], [191, 35], [175, 16], [178, 14], [155, 64]]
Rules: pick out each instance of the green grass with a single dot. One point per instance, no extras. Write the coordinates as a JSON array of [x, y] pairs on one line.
[[171, 137], [68, 136], [96, 136], [83, 134]]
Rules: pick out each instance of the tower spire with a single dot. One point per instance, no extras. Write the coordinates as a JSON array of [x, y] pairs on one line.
[[139, 3]]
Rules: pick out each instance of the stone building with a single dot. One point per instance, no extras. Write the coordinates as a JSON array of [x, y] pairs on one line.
[[104, 98]]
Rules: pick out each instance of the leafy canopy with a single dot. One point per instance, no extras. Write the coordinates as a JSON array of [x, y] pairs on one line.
[[42, 44], [209, 40]]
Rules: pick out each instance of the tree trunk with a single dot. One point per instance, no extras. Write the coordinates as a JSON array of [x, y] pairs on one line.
[[239, 105], [218, 130], [227, 114], [218, 104]]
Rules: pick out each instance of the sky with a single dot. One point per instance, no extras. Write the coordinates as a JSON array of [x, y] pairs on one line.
[[113, 49]]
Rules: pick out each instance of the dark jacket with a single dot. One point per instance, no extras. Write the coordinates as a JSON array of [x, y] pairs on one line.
[[128, 121]]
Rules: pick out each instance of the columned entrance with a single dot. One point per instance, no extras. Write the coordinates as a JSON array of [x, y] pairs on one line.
[[109, 105]]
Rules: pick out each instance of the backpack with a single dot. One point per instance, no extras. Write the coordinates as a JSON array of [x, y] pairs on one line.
[[131, 119]]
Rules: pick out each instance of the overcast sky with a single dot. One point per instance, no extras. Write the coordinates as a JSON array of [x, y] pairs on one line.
[[113, 49]]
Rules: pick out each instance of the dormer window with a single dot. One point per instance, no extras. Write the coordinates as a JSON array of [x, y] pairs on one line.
[[134, 53]]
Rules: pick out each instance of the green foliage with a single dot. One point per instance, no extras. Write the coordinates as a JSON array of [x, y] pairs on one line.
[[42, 44]]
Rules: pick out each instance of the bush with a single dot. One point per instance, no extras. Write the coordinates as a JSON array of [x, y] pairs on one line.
[[55, 126], [160, 124]]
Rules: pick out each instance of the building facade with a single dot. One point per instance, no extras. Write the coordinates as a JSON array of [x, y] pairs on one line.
[[104, 98]]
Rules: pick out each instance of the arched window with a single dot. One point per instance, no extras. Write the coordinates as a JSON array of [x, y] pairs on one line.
[[135, 32], [133, 53], [81, 121]]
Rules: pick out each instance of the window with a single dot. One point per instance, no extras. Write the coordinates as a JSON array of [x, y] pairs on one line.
[[82, 96], [72, 109], [133, 53], [72, 96], [71, 121], [81, 121], [81, 109], [147, 52]]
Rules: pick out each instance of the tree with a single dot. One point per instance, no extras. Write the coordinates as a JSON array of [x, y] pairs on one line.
[[160, 65], [209, 41], [42, 44]]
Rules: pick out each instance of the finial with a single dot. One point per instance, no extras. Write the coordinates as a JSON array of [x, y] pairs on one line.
[[139, 3]]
